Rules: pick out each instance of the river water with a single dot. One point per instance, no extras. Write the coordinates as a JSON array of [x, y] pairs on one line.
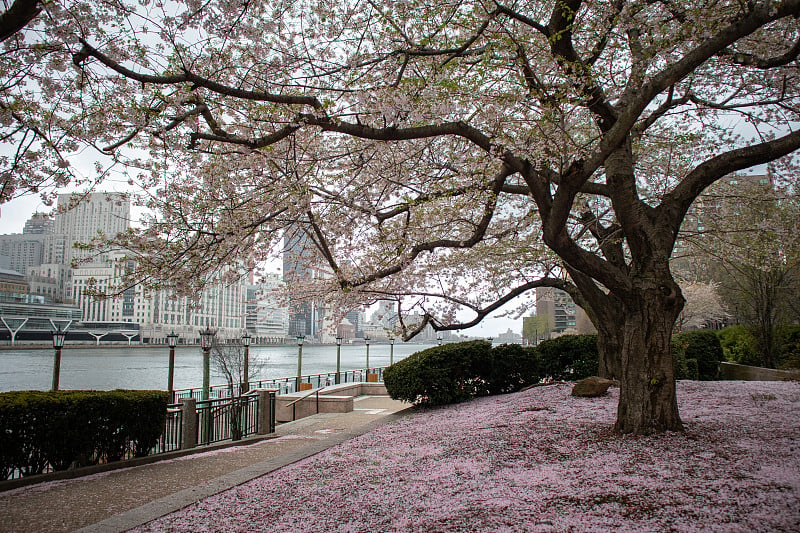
[[122, 367]]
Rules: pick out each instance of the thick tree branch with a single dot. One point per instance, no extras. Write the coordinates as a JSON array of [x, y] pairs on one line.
[[481, 312], [191, 78], [751, 60], [459, 129], [478, 234], [254, 143], [609, 239], [678, 201], [637, 98], [16, 17], [510, 13], [561, 46]]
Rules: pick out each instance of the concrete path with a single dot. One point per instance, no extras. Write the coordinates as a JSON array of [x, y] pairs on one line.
[[121, 499]]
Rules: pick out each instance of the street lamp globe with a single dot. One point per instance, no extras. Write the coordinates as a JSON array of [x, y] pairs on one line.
[[246, 339], [172, 339], [58, 338], [207, 338]]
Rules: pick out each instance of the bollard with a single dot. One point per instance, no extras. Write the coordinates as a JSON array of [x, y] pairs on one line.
[[189, 417], [266, 412]]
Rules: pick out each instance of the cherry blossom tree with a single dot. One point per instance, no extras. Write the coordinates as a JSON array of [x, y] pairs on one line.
[[703, 305], [428, 151]]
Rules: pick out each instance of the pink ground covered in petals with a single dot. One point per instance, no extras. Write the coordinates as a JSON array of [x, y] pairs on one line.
[[539, 460]]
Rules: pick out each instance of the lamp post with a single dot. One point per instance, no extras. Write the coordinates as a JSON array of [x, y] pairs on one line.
[[391, 350], [338, 360], [172, 341], [299, 361], [246, 339], [366, 342], [58, 343], [206, 340]]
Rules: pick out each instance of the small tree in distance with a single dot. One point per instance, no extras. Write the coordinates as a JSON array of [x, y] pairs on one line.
[[703, 307], [536, 328], [228, 360]]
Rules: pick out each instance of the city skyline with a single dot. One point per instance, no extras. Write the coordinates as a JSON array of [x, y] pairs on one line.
[[15, 213]]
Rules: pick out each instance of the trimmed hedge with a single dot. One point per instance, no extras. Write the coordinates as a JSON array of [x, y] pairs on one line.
[[452, 373], [66, 428], [439, 375], [457, 372], [512, 367], [701, 349], [568, 357], [684, 368]]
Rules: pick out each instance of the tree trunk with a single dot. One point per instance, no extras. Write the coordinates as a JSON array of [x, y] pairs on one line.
[[647, 401], [609, 350]]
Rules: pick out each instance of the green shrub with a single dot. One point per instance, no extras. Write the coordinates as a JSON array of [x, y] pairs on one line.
[[789, 355], [511, 367], [568, 357], [456, 372], [702, 346], [440, 375], [679, 360], [739, 346], [65, 428]]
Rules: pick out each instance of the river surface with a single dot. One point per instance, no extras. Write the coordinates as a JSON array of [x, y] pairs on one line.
[[122, 367]]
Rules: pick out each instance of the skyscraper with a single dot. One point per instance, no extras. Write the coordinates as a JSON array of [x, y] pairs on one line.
[[302, 263], [84, 218]]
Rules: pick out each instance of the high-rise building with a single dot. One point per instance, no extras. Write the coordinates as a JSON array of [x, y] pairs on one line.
[[39, 224], [78, 219], [356, 319], [565, 316], [302, 264], [220, 307], [133, 312], [22, 251], [83, 218], [267, 319]]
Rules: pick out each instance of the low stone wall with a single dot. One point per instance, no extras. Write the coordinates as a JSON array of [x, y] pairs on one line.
[[732, 371], [332, 399], [357, 389]]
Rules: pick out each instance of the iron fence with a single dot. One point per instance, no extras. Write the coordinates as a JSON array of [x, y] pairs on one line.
[[226, 418], [172, 437], [285, 385], [216, 420]]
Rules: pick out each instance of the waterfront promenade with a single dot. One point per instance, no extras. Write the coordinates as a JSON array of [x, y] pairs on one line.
[[121, 499]]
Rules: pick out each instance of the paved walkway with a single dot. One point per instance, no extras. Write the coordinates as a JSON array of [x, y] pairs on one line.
[[121, 499]]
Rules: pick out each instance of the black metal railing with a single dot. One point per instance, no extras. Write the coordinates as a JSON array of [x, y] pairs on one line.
[[285, 385], [172, 437], [226, 418]]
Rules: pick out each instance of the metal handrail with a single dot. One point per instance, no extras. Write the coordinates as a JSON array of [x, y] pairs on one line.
[[217, 391], [312, 391]]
